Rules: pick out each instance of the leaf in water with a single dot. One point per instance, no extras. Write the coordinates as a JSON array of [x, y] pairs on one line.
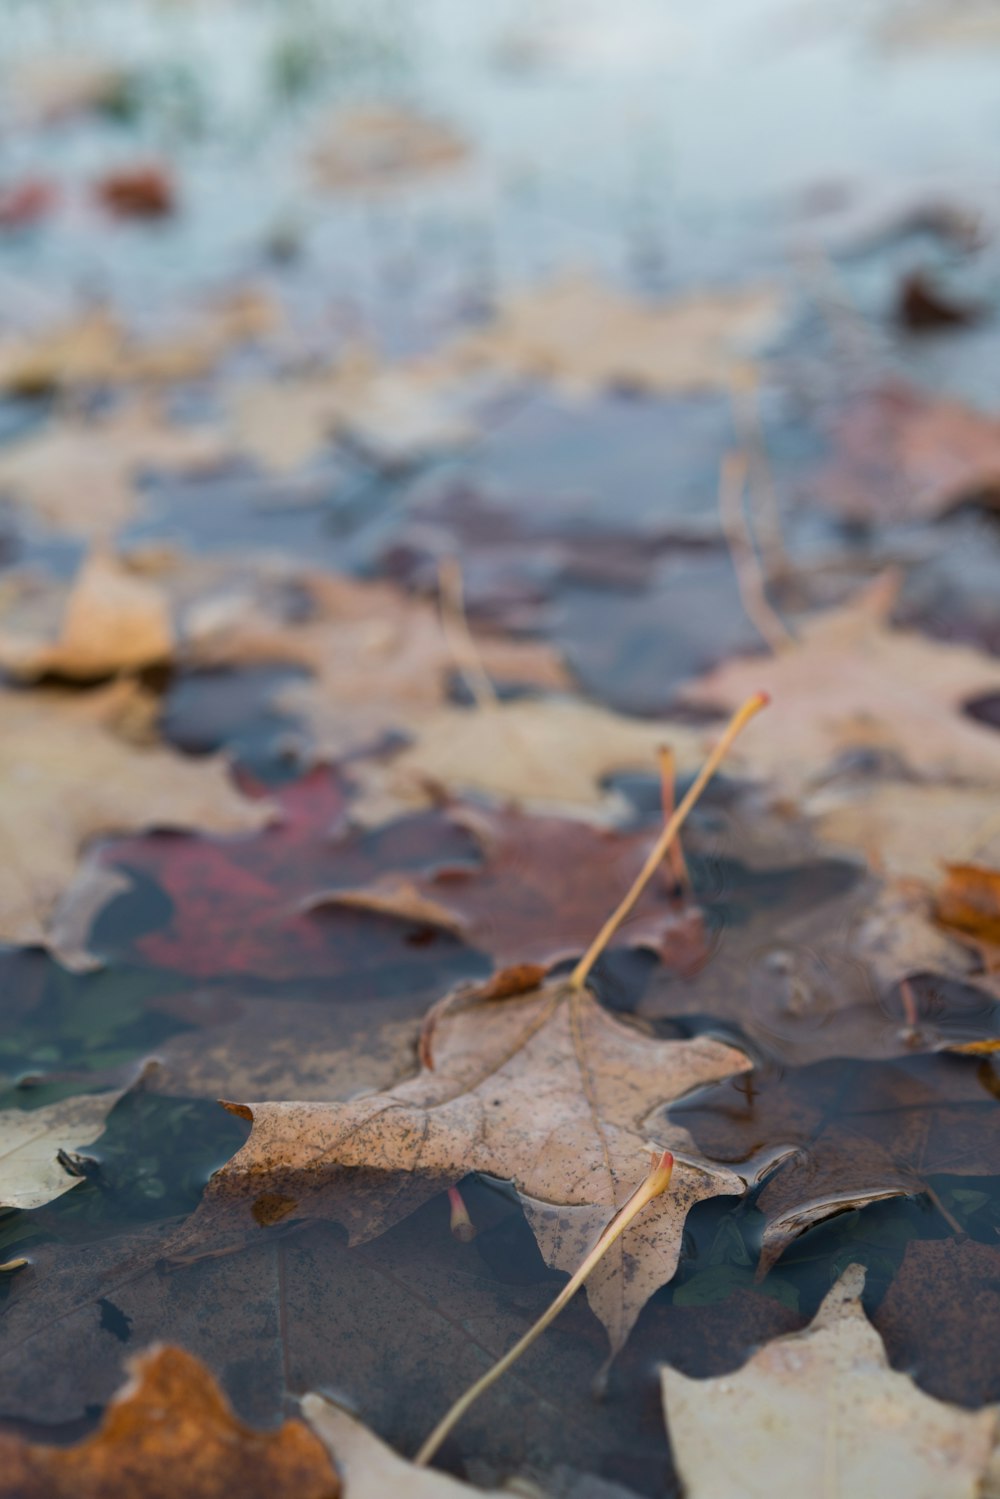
[[823, 1408], [939, 1318], [33, 1140], [969, 903], [539, 894], [542, 1088], [844, 1134], [170, 1431]]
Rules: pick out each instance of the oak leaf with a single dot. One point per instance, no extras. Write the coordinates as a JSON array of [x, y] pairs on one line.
[[542, 1088], [823, 1406], [170, 1431], [370, 1469], [67, 777], [851, 682], [539, 894], [31, 1173]]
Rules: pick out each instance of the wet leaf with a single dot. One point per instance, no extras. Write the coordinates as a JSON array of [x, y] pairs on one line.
[[67, 778], [381, 146], [170, 1431], [837, 1135], [823, 1405], [539, 894], [542, 1088], [142, 191], [969, 902], [31, 1140]]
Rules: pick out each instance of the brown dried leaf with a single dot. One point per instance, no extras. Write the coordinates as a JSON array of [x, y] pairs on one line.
[[823, 1409], [969, 903], [544, 1089], [67, 777], [78, 474], [380, 146], [169, 1432], [584, 337], [109, 619], [852, 682]]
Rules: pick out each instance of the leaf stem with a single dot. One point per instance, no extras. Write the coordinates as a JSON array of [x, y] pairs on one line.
[[656, 1182], [737, 723]]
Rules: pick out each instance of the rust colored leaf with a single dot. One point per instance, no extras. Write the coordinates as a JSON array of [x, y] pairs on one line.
[[969, 902], [542, 890], [138, 192], [170, 1432]]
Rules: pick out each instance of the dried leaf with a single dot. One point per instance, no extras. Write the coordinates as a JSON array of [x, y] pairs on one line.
[[543, 1088], [907, 830], [540, 893], [78, 475], [548, 755], [851, 682], [969, 903], [108, 620], [370, 1469], [66, 777], [170, 1431], [30, 1171], [381, 146], [823, 1408], [584, 336], [142, 191]]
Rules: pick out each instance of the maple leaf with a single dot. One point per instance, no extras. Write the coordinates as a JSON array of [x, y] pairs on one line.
[[850, 681], [170, 1431], [67, 777], [71, 458], [542, 1088], [379, 660], [379, 146], [546, 755], [31, 1173], [539, 894], [823, 1405], [584, 336], [109, 619], [843, 1134], [902, 454], [239, 904], [909, 830]]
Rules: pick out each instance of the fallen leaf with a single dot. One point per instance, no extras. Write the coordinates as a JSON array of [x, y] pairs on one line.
[[539, 893], [584, 337], [144, 191], [823, 1406], [27, 202], [547, 755], [370, 1469], [109, 619], [953, 1356], [845, 1134], [901, 454], [851, 682], [31, 1173], [397, 416], [908, 830], [380, 146], [68, 778], [238, 904], [968, 903], [542, 1088], [78, 475], [170, 1431]]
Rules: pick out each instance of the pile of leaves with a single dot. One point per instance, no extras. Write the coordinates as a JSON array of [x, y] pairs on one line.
[[351, 666]]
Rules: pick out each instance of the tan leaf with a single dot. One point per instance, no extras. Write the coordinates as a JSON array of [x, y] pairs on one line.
[[78, 474], [910, 829], [380, 146], [369, 1468], [542, 1088], [584, 337], [821, 1411], [852, 682], [66, 777], [170, 1431], [30, 1139], [109, 619], [549, 754]]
